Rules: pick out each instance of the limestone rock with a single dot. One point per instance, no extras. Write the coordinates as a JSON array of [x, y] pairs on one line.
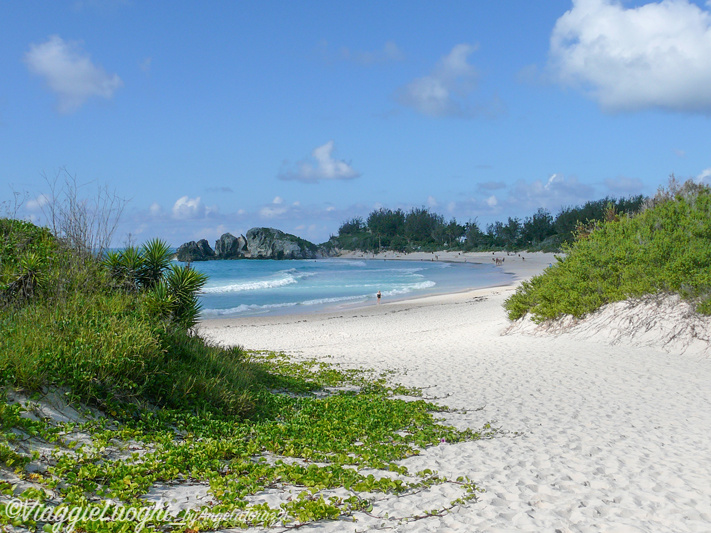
[[230, 247], [259, 243], [195, 251], [270, 243]]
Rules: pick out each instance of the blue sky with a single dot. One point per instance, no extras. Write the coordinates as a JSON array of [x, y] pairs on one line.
[[218, 116]]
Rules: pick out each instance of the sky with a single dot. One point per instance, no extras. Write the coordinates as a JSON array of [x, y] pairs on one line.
[[218, 116]]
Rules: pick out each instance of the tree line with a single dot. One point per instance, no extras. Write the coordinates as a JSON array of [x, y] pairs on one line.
[[423, 229]]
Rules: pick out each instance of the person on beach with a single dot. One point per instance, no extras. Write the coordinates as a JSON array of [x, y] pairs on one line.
[[379, 295]]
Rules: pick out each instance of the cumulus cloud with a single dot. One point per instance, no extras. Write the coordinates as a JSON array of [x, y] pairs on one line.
[[70, 73], [444, 92], [186, 208], [323, 167], [156, 210], [275, 209], [657, 55], [704, 177], [36, 204]]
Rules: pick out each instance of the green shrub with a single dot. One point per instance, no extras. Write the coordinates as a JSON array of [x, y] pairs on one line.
[[664, 249], [111, 330]]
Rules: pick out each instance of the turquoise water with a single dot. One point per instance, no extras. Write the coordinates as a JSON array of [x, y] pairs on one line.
[[264, 287]]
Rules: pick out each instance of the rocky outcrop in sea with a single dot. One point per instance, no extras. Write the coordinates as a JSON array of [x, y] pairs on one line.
[[195, 251], [259, 243]]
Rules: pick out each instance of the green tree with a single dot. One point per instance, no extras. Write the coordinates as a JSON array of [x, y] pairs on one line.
[[352, 227], [423, 226], [537, 227]]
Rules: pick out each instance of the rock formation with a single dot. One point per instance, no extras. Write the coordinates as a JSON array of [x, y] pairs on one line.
[[260, 243], [195, 251], [230, 247], [270, 243]]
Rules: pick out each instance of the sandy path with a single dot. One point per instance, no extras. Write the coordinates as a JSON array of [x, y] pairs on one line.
[[612, 438]]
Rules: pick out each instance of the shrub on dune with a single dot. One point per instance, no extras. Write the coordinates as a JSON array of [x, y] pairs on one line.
[[666, 248]]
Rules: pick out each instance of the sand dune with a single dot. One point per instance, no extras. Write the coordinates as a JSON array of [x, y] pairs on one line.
[[602, 437]]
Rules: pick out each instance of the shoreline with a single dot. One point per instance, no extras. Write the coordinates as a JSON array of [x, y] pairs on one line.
[[598, 436], [520, 270], [519, 264]]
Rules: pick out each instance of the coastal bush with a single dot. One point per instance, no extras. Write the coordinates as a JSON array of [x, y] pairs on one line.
[[171, 291], [117, 329], [24, 249], [104, 347], [666, 248]]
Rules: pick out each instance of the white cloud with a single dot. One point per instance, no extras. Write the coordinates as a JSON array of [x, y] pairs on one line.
[[657, 55], [272, 212], [278, 200], [444, 92], [156, 210], [491, 201], [69, 73], [704, 177], [186, 208], [36, 204], [323, 167], [432, 201]]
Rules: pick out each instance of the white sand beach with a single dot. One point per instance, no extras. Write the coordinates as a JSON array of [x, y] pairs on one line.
[[601, 437]]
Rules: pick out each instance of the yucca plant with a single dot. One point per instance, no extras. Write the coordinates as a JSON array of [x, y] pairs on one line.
[[160, 301], [114, 264], [29, 278], [183, 285], [132, 265], [171, 291], [156, 257]]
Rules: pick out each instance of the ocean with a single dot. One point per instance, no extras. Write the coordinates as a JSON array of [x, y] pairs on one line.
[[241, 288]]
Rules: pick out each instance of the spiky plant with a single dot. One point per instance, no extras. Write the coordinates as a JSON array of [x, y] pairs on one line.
[[132, 265], [114, 264], [29, 278], [183, 284], [156, 259], [160, 301]]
